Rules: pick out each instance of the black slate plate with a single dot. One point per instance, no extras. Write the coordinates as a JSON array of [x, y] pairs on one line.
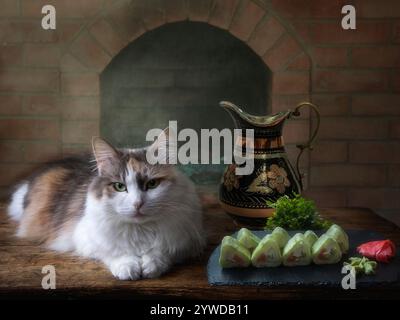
[[312, 275]]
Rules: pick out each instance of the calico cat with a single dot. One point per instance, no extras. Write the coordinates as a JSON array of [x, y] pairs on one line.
[[137, 218]]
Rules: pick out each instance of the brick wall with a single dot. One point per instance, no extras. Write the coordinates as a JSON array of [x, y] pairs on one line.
[[50, 93]]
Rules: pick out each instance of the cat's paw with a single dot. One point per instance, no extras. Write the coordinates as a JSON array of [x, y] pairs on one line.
[[126, 268], [153, 266]]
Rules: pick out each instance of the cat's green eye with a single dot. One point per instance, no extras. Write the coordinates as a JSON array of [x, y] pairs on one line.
[[153, 183], [118, 186]]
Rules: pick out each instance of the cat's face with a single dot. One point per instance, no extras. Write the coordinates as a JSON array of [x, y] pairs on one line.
[[128, 187]]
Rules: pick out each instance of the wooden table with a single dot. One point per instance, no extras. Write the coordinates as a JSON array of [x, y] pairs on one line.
[[21, 263]]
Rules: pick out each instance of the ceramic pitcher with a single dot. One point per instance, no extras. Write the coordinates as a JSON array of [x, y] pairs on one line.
[[245, 197]]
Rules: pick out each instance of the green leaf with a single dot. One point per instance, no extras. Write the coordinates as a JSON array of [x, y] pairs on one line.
[[295, 213]]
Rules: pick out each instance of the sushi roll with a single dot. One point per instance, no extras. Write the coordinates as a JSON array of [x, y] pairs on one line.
[[248, 239], [281, 236], [297, 252], [340, 236], [310, 237], [267, 253], [326, 250], [233, 254]]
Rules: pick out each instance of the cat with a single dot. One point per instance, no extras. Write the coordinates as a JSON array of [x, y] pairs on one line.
[[137, 218]]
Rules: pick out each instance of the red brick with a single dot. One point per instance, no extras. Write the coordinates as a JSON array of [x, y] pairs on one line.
[[375, 152], [329, 152], [301, 62], [292, 153], [10, 55], [40, 105], [374, 198], [366, 32], [395, 129], [175, 10], [10, 105], [246, 19], [151, 12], [353, 128], [9, 8], [394, 175], [67, 30], [222, 13], [290, 83], [10, 151], [331, 56], [395, 81], [80, 84], [327, 197], [79, 131], [82, 108], [69, 63], [296, 131], [376, 105], [13, 31], [327, 9], [345, 175], [377, 9], [10, 173], [279, 55], [109, 38], [89, 52], [199, 10], [332, 104], [29, 80], [309, 9], [350, 81], [29, 129], [42, 55], [376, 56], [127, 20], [303, 30], [396, 32], [38, 152], [286, 102], [65, 9], [266, 35]]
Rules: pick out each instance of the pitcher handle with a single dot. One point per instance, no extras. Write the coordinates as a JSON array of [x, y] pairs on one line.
[[309, 144]]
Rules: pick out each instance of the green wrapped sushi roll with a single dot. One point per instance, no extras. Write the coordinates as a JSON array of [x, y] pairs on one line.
[[248, 239], [297, 252], [233, 254], [310, 237], [340, 236], [281, 236], [267, 253], [326, 250]]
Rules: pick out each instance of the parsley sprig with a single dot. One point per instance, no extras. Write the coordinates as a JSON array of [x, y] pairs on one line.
[[295, 213]]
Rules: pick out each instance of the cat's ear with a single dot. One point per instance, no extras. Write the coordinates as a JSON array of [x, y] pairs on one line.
[[164, 148], [107, 157]]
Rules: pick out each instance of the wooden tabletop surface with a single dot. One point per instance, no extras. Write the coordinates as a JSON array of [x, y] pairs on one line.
[[21, 263]]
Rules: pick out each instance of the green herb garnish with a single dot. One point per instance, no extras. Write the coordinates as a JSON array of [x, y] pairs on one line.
[[362, 265], [296, 213]]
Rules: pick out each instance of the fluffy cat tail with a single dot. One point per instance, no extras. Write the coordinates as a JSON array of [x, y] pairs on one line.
[[16, 206]]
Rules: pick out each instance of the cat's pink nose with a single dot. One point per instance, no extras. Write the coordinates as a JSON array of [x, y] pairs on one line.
[[137, 205]]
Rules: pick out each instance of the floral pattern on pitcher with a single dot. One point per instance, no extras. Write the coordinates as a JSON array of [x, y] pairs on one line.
[[278, 178]]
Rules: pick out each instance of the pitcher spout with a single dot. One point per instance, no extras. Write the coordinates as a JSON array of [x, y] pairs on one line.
[[243, 119]]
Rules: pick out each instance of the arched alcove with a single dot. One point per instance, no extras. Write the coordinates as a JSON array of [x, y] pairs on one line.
[[180, 71]]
